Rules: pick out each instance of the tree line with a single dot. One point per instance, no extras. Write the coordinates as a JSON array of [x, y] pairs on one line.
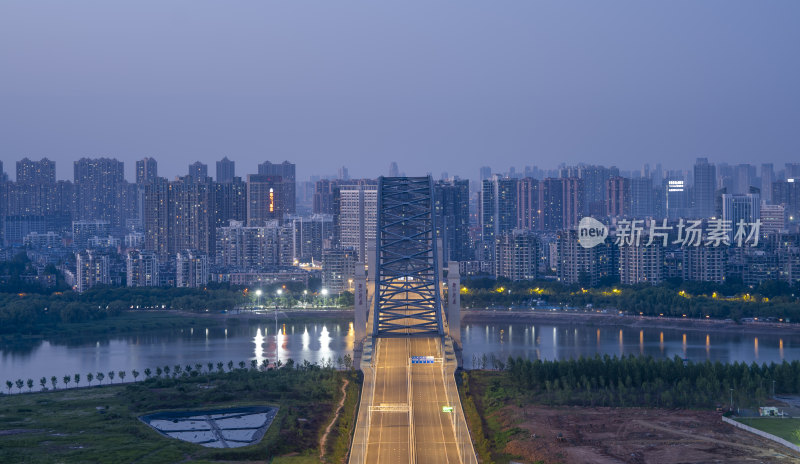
[[642, 381]]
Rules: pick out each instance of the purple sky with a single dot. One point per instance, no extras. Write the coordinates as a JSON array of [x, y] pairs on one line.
[[434, 85]]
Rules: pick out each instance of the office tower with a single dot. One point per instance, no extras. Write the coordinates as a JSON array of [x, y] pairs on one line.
[[394, 171], [736, 208], [338, 270], [286, 171], [3, 175], [594, 183], [642, 198], [551, 204], [705, 184], [356, 217], [311, 236], [198, 171], [527, 203], [767, 178], [641, 264], [677, 197], [36, 172], [266, 198], [142, 269], [229, 201], [343, 173], [146, 171], [226, 170], [485, 173], [792, 171], [84, 230], [743, 178], [97, 183], [618, 197], [92, 269], [704, 263], [248, 248], [583, 266], [773, 218], [191, 269], [517, 255], [451, 211], [572, 197]]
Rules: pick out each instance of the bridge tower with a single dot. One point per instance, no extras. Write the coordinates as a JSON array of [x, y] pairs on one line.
[[406, 277]]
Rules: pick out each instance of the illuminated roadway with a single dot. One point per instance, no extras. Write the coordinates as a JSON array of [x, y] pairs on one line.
[[432, 430]]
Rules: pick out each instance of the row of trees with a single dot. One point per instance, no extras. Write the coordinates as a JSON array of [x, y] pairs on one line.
[[673, 297], [176, 371], [631, 381]]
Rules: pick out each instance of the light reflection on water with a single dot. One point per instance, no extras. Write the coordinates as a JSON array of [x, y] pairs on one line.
[[318, 342]]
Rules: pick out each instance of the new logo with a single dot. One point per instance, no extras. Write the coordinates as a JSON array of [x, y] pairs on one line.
[[591, 232]]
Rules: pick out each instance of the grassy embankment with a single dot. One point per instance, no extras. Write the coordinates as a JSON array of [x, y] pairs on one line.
[[66, 426], [788, 429]]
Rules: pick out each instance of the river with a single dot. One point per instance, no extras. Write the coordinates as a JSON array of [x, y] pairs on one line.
[[328, 340]]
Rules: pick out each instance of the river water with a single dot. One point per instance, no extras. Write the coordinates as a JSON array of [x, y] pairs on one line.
[[320, 341]]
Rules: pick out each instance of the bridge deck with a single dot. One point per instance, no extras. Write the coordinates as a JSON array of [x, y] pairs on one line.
[[431, 429]]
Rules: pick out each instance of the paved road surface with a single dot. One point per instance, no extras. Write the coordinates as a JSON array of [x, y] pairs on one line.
[[389, 433]]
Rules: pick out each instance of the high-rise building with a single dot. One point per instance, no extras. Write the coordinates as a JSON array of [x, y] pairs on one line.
[[156, 206], [248, 247], [517, 255], [356, 218], [191, 269], [323, 197], [92, 269], [98, 183], [486, 173], [773, 218], [705, 185], [146, 171], [198, 171], [190, 216], [527, 203], [676, 192], [36, 172], [338, 270], [286, 171], [229, 202], [736, 208], [743, 175], [226, 170], [583, 266], [266, 198], [142, 269], [618, 200], [704, 263], [394, 171], [498, 207], [641, 264], [551, 204], [343, 173], [787, 193], [84, 230], [767, 178], [311, 236], [451, 210]]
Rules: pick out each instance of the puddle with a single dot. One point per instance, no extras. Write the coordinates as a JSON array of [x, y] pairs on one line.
[[219, 428]]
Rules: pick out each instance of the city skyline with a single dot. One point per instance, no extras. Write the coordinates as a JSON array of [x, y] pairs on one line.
[[442, 90]]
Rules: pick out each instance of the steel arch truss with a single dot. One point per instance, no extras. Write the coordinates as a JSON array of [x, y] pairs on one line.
[[407, 299]]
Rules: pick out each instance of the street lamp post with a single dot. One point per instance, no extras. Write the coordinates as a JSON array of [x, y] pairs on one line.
[[258, 298], [324, 295], [305, 298], [277, 345]]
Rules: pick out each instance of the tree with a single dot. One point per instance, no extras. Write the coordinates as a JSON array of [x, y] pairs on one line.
[[20, 384], [135, 374], [9, 384], [122, 376], [30, 385], [159, 372], [253, 364], [43, 383], [230, 366], [198, 367], [220, 366], [111, 375], [167, 370], [66, 380], [177, 370], [77, 379], [89, 378], [100, 377], [53, 381], [147, 372], [348, 361], [241, 364], [210, 367]]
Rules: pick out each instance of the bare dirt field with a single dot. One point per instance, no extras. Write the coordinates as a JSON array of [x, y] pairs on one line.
[[633, 435]]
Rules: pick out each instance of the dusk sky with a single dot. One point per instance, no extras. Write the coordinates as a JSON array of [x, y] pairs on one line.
[[434, 85]]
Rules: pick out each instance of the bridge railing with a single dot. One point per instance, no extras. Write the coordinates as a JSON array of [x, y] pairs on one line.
[[358, 450], [466, 451]]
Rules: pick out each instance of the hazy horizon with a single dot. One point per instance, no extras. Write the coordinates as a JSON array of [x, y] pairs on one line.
[[435, 86]]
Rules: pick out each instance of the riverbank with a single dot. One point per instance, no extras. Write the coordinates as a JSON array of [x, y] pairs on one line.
[[610, 319]]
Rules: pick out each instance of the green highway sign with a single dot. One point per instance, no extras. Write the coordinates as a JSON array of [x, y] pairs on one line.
[[447, 409]]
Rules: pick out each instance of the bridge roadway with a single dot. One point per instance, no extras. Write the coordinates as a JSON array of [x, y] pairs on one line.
[[431, 430]]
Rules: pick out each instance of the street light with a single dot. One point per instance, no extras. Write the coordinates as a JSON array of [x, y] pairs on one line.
[[305, 298], [324, 295], [258, 297]]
